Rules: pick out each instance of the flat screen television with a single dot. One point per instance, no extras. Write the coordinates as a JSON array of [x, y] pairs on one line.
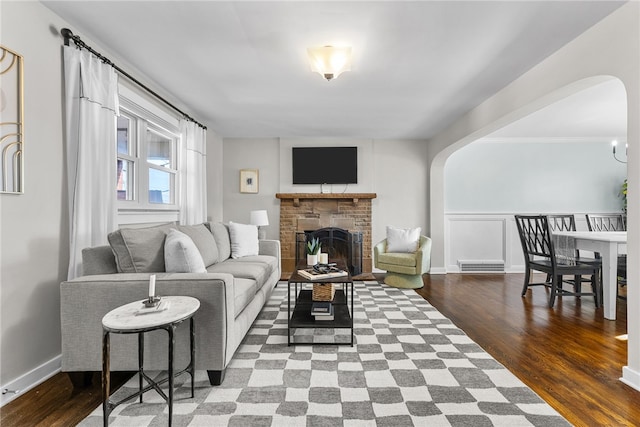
[[325, 165]]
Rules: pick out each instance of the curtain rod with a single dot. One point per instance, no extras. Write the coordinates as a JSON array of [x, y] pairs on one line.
[[68, 34]]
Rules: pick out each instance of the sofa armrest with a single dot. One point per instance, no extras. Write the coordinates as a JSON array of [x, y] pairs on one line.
[[85, 300], [98, 260], [271, 247]]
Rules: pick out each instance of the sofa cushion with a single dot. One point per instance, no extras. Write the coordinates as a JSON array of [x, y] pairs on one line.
[[259, 272], [181, 255], [244, 239], [266, 262], [204, 241], [221, 236], [244, 292], [139, 250], [403, 239]]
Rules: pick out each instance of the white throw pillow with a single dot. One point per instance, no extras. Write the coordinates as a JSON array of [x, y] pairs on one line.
[[181, 255], [244, 239], [403, 239]]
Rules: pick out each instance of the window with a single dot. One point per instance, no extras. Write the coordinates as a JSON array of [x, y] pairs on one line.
[[147, 164]]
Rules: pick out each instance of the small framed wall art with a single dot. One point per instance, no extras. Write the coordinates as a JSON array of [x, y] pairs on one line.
[[248, 180]]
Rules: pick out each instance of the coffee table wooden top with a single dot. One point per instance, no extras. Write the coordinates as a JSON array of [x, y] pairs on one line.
[[295, 277]]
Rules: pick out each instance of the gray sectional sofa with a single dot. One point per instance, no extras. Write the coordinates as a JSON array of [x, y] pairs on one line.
[[232, 292]]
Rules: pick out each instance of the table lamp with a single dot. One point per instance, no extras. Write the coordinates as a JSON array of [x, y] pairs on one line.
[[260, 219]]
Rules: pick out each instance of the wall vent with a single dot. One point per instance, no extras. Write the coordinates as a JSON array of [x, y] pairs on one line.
[[480, 266]]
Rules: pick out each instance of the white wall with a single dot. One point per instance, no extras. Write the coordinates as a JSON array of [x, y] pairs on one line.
[[261, 154], [533, 177], [215, 176], [33, 226], [401, 181], [394, 170]]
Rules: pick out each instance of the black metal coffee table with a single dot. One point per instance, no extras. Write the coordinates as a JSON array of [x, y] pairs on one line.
[[299, 302]]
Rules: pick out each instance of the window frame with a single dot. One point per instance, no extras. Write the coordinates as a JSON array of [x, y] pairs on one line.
[[146, 116]]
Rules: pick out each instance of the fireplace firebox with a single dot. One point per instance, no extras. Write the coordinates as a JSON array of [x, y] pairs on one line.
[[340, 244]]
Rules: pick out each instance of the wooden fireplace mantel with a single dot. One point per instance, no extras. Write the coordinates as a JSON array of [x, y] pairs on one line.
[[297, 196]]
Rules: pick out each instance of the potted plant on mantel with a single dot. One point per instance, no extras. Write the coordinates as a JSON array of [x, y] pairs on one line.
[[313, 249]]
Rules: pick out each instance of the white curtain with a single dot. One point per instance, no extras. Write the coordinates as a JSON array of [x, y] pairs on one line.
[[91, 105], [193, 174]]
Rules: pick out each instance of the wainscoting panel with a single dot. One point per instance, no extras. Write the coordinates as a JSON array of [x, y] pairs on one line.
[[484, 240]]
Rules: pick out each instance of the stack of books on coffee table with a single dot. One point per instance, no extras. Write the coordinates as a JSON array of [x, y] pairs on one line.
[[329, 273], [322, 310]]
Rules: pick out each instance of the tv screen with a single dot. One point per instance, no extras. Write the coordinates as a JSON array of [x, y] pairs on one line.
[[325, 165]]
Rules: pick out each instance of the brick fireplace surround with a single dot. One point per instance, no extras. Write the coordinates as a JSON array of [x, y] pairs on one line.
[[311, 211]]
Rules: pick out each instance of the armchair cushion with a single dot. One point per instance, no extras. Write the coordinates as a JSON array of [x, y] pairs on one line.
[[395, 258]]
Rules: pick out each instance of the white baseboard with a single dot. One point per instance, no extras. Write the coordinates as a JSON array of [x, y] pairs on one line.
[[437, 270], [630, 377], [26, 382]]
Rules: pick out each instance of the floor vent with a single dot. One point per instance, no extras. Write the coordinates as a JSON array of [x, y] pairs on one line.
[[478, 266]]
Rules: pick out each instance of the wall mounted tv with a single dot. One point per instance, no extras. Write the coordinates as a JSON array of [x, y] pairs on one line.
[[325, 165]]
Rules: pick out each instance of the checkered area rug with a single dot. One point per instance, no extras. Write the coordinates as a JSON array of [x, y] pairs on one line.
[[410, 366]]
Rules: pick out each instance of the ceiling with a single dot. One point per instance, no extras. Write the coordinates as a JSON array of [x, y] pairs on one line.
[[241, 67]]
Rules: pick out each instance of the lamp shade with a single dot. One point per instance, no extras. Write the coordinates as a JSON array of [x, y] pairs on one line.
[[259, 218], [329, 61]]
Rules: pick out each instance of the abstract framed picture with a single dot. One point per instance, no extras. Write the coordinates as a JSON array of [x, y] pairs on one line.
[[248, 180], [11, 122]]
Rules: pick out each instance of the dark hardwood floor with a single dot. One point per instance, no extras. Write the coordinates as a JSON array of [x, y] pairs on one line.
[[569, 355]]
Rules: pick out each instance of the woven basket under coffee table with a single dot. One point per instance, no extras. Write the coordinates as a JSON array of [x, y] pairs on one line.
[[323, 292], [302, 292]]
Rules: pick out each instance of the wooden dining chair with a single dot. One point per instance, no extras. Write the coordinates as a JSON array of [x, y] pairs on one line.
[[567, 222], [540, 255], [611, 222]]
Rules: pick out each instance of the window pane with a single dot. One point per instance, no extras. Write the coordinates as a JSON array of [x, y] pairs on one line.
[[160, 187], [123, 135], [159, 149], [125, 180]]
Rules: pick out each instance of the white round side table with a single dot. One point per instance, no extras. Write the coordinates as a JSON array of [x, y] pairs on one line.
[[134, 318]]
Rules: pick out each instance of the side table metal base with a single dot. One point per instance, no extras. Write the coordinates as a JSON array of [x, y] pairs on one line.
[[108, 405]]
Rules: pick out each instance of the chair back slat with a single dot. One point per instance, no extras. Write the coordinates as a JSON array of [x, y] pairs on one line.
[[565, 222], [614, 222], [535, 236]]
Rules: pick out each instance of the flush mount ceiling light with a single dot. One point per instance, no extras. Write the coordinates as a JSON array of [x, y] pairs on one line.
[[329, 61]]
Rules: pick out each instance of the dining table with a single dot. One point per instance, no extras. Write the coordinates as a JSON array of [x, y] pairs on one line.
[[609, 244]]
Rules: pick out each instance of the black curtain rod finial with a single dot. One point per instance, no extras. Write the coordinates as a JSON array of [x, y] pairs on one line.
[[67, 34]]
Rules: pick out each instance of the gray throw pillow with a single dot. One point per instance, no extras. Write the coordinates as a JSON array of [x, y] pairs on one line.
[[139, 250], [221, 236], [203, 238], [181, 254]]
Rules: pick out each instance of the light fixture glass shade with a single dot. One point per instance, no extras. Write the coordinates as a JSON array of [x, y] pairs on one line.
[[259, 218], [329, 61]]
